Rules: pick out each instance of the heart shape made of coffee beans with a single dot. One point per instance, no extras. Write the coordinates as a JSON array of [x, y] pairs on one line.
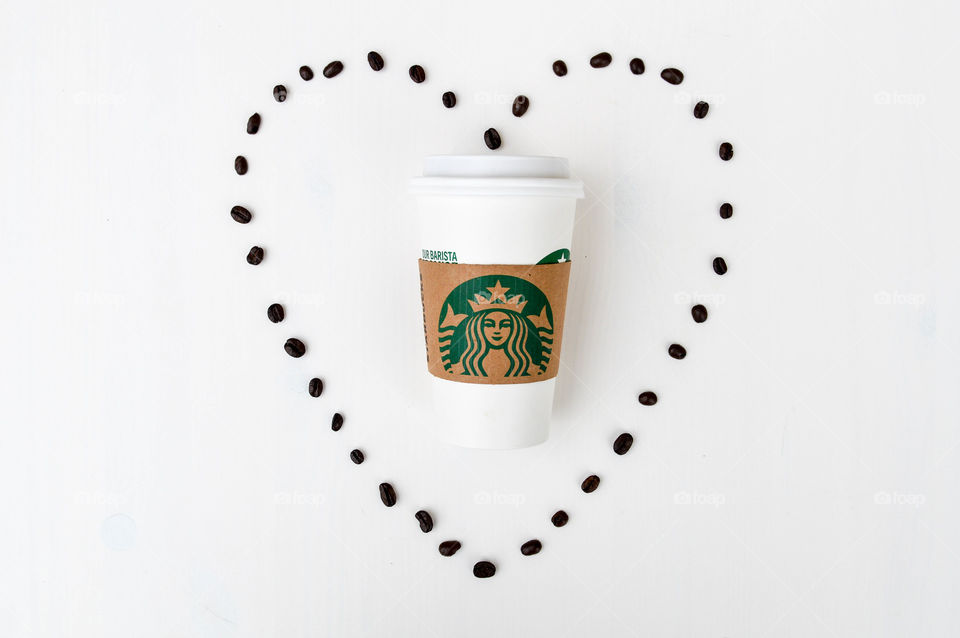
[[296, 347]]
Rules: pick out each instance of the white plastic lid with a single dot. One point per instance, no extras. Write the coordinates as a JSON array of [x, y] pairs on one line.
[[496, 175]]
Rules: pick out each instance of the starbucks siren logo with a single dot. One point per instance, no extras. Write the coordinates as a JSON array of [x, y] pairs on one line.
[[496, 326]]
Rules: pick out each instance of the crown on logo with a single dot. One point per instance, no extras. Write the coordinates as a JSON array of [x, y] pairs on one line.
[[498, 299]]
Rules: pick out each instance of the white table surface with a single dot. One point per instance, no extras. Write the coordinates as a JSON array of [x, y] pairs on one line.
[[164, 472]]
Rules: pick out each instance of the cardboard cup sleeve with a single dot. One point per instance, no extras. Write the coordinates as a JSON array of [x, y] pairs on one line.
[[493, 324]]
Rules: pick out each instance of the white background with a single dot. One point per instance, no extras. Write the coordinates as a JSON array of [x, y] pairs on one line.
[[164, 472]]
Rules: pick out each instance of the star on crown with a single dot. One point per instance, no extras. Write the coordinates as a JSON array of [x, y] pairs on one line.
[[498, 299]]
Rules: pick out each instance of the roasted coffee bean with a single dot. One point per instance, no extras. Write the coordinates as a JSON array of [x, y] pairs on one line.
[[520, 105], [425, 520], [294, 347], [388, 495], [449, 548], [449, 99], [375, 60], [677, 351], [726, 210], [275, 313], [719, 266], [700, 110], [356, 456], [332, 69], [255, 256], [240, 165], [491, 138], [699, 313], [623, 443], [306, 73], [560, 68], [726, 151], [601, 60], [253, 124], [315, 387], [337, 422], [673, 76], [417, 74], [484, 569], [590, 483], [240, 215], [280, 93], [531, 547], [637, 67], [560, 518], [648, 398]]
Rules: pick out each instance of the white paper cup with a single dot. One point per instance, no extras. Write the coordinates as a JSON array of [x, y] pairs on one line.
[[495, 210]]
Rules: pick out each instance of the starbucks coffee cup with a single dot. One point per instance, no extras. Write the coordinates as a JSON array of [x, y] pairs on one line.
[[495, 235]]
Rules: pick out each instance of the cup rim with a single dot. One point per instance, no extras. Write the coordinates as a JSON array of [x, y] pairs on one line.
[[496, 175]]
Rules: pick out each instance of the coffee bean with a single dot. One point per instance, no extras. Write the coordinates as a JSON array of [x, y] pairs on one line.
[[375, 60], [484, 569], [356, 456], [240, 165], [590, 483], [417, 74], [255, 256], [275, 313], [425, 520], [337, 422], [648, 398], [491, 138], [315, 387], [520, 105], [388, 495], [700, 110], [673, 76], [240, 215], [560, 518], [294, 348], [306, 73], [449, 548], [623, 443], [601, 60], [560, 68], [280, 93], [531, 547], [726, 210], [637, 67], [699, 313], [449, 99], [677, 351], [332, 69], [719, 266], [253, 124], [726, 151]]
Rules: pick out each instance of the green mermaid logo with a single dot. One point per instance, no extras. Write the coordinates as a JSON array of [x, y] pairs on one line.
[[496, 326]]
